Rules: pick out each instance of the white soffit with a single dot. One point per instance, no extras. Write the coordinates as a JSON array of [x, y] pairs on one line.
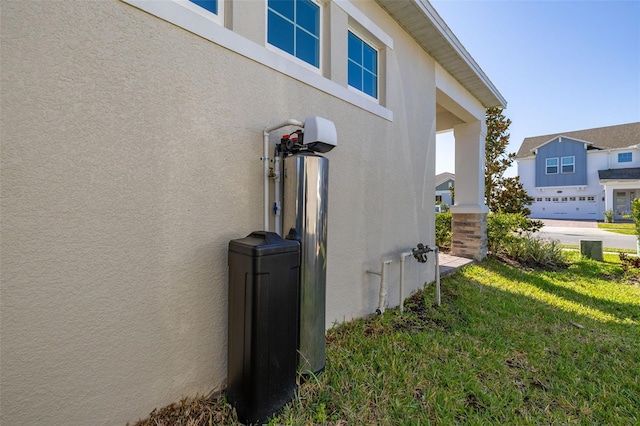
[[424, 24]]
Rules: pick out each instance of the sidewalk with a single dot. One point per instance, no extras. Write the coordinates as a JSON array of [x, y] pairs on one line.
[[449, 264]]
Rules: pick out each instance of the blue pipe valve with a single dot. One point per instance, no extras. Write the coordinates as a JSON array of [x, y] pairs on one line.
[[420, 253]]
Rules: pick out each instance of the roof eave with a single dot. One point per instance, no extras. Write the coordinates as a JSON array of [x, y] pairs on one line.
[[435, 37]]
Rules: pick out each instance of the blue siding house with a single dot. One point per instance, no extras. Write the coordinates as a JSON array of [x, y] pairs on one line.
[[561, 162], [581, 174]]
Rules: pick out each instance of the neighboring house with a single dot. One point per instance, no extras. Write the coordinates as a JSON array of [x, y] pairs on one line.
[[580, 174], [132, 135], [444, 182]]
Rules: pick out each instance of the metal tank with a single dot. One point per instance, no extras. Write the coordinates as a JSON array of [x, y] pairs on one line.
[[306, 177]]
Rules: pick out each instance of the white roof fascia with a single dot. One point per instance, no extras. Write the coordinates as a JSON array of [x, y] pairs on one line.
[[559, 137]]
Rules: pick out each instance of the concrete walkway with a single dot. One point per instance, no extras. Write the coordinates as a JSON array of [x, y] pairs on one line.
[[449, 264]]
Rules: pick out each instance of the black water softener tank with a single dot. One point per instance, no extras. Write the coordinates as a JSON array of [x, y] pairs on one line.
[[264, 272]]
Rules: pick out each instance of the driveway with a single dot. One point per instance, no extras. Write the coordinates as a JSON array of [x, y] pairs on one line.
[[572, 231]]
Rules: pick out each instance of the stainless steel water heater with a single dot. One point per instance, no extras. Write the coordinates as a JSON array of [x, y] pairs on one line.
[[306, 182]]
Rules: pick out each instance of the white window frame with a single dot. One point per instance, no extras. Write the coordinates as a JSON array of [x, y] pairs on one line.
[[573, 164], [288, 55], [374, 46], [557, 166], [629, 153], [218, 18]]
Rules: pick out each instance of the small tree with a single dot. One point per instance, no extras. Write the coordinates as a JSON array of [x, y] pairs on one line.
[[502, 194], [635, 213]]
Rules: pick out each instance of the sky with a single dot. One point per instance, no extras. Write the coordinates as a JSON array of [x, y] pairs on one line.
[[561, 65]]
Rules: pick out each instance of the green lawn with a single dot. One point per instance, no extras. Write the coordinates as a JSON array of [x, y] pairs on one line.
[[507, 346], [619, 228]]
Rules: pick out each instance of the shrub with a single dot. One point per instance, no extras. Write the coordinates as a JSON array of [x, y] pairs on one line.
[[443, 230], [533, 251], [503, 227], [608, 216], [635, 213]]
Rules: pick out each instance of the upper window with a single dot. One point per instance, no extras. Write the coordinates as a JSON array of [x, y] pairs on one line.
[[568, 164], [210, 5], [552, 166], [363, 66], [294, 26], [625, 157]]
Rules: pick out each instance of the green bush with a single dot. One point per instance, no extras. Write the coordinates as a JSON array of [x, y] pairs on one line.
[[533, 251], [635, 213], [504, 227], [443, 230], [608, 216]]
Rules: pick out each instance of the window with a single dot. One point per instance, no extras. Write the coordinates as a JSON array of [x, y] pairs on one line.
[[625, 157], [539, 199], [294, 26], [564, 199], [555, 199], [547, 198], [210, 5], [582, 198], [552, 166], [363, 66], [568, 164], [591, 199], [572, 198]]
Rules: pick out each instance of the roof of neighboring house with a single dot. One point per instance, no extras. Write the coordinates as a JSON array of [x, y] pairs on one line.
[[619, 136], [632, 173], [422, 22], [443, 177]]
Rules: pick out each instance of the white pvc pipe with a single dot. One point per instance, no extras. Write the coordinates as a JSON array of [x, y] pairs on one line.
[[276, 180], [436, 250], [265, 172], [402, 257], [265, 160], [383, 289]]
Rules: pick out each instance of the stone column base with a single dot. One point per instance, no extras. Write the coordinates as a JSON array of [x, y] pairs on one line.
[[469, 235]]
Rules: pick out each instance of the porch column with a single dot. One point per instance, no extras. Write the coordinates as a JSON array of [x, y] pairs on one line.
[[469, 213], [608, 197]]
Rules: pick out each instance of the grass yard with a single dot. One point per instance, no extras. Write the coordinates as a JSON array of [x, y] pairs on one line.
[[619, 228], [508, 346]]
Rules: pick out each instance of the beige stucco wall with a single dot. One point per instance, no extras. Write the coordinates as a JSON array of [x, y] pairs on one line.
[[130, 157]]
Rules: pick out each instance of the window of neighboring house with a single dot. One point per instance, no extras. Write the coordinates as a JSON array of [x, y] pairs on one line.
[[552, 166], [539, 199], [555, 199], [582, 198], [210, 5], [625, 157], [572, 198], [362, 66], [568, 164], [294, 27], [591, 199], [438, 198]]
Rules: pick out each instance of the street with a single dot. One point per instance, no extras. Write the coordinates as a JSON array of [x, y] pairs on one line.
[[573, 232]]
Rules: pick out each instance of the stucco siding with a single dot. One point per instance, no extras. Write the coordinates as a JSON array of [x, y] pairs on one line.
[[559, 148], [130, 157]]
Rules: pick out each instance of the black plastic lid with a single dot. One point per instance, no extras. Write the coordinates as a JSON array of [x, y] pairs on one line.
[[261, 243]]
